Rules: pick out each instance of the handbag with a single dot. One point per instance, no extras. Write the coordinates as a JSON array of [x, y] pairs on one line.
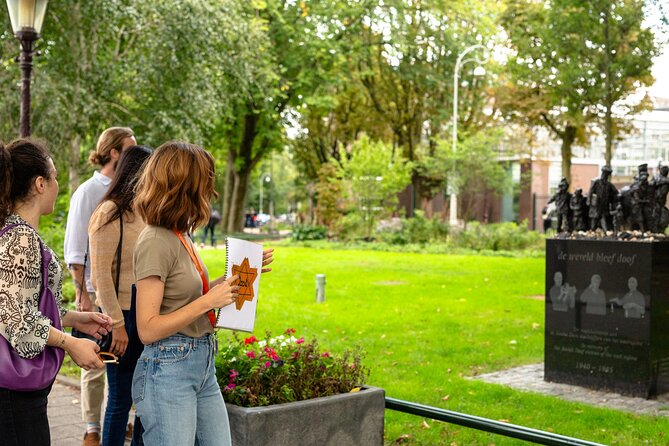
[[17, 373]]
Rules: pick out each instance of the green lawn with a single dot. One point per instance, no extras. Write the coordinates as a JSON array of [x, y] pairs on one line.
[[427, 321]]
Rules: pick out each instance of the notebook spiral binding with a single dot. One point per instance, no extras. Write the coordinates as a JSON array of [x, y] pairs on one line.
[[227, 259]]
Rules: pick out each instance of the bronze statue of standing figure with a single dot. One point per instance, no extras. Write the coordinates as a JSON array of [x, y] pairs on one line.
[[562, 199], [601, 196]]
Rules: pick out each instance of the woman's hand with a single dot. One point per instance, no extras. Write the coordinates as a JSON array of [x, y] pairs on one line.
[[267, 258], [92, 323], [224, 293], [119, 341], [84, 353]]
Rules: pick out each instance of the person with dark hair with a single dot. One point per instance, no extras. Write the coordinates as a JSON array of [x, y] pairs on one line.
[[32, 343], [214, 219], [174, 388], [112, 233], [85, 199]]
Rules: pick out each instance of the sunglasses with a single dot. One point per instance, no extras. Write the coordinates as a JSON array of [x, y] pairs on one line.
[[108, 358]]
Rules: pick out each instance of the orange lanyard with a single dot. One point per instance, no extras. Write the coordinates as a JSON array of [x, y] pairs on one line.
[[205, 283]]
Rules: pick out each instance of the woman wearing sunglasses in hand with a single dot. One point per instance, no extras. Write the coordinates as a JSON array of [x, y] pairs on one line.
[[32, 342], [112, 234], [174, 387]]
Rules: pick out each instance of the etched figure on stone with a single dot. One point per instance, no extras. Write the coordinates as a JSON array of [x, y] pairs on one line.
[[660, 213], [562, 295], [601, 196], [561, 199], [594, 297], [633, 301], [578, 208]]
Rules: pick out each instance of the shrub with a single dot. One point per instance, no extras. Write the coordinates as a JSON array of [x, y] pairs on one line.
[[309, 232], [254, 372], [417, 229], [350, 227], [507, 236]]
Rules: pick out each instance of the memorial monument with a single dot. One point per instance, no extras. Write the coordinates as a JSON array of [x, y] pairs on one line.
[[607, 289]]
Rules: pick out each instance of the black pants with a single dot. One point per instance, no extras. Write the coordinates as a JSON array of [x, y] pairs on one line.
[[23, 419]]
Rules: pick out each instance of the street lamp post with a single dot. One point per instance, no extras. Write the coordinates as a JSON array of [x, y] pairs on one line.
[[27, 17], [263, 178], [478, 71]]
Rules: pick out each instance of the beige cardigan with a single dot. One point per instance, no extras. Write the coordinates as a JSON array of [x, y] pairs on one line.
[[103, 241]]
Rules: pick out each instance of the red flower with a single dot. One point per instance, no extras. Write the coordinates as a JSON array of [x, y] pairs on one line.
[[250, 340], [251, 354], [325, 355], [300, 341], [290, 331], [268, 364]]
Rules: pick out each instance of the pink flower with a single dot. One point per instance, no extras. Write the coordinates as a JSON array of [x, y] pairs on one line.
[[325, 355], [230, 386], [250, 340], [251, 354], [268, 364], [300, 341], [233, 374]]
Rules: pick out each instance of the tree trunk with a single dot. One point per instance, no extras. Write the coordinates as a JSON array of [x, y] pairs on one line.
[[75, 150], [236, 216], [568, 137], [228, 186], [608, 127]]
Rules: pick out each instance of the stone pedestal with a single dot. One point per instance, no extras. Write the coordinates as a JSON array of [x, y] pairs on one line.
[[607, 315]]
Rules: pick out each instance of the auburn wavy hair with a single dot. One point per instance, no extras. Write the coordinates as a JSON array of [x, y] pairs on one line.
[[176, 186]]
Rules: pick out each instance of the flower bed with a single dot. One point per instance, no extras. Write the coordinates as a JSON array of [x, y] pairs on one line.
[[259, 372]]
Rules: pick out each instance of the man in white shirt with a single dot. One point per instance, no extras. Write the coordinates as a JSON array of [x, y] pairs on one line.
[[84, 200]]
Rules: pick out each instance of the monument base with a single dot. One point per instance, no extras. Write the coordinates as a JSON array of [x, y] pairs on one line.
[[607, 315]]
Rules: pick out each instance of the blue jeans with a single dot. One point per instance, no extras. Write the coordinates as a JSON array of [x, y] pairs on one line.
[[176, 394], [119, 398]]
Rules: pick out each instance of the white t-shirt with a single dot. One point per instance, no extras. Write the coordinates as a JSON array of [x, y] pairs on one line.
[[82, 204]]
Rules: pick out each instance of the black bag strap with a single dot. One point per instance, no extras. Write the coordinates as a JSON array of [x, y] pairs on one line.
[[119, 248]]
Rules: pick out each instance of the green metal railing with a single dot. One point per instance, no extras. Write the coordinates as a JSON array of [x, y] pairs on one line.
[[486, 424]]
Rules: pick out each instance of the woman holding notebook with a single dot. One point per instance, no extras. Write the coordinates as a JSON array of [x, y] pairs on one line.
[[174, 386]]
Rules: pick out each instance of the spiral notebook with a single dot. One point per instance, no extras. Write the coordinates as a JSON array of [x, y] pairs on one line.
[[245, 259]]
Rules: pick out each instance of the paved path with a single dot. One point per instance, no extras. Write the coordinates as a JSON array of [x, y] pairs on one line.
[[64, 411], [531, 378]]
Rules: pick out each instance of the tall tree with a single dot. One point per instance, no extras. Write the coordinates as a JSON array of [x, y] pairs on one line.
[[564, 73]]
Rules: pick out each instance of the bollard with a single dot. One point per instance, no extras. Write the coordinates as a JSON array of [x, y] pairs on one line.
[[320, 288]]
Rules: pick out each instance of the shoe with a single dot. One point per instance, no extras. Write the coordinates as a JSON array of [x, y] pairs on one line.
[[128, 432], [91, 439]]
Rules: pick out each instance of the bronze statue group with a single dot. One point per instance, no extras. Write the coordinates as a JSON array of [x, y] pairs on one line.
[[640, 206]]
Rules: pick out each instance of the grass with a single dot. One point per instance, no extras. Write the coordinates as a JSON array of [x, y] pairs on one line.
[[427, 322]]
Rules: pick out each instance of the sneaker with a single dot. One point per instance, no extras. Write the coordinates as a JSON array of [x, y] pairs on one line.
[[91, 439], [128, 432]]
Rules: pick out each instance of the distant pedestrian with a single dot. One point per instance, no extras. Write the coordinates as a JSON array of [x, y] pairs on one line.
[[214, 219]]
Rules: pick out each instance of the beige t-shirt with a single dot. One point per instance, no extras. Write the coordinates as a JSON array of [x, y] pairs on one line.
[[159, 252]]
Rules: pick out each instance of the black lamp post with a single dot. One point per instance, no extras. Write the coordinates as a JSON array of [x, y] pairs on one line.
[[27, 17]]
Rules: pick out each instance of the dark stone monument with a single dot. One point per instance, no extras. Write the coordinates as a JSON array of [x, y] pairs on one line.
[[607, 314]]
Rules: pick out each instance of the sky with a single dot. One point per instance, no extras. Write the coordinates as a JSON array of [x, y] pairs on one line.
[[661, 74]]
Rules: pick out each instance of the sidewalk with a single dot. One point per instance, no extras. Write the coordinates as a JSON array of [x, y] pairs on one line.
[[64, 412]]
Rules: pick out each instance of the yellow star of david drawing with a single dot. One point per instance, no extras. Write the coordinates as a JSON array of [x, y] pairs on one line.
[[247, 276]]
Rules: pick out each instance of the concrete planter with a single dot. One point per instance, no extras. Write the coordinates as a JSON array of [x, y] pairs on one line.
[[340, 420]]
